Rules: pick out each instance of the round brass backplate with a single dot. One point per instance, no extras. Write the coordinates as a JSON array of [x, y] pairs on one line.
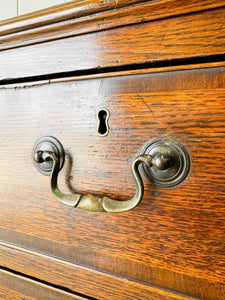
[[48, 143], [171, 162]]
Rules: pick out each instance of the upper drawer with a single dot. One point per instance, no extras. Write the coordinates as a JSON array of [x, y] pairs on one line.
[[175, 237], [155, 32]]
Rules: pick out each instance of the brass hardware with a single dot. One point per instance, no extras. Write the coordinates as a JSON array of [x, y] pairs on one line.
[[103, 126], [170, 160], [93, 202], [157, 155], [50, 144]]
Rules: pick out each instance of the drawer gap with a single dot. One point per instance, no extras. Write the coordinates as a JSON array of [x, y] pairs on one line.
[[131, 67]]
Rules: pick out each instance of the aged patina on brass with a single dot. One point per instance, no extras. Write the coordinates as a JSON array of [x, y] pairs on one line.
[[50, 144], [48, 155], [171, 161]]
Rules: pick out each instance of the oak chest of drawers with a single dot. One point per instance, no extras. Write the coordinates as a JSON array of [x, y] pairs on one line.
[[88, 85]]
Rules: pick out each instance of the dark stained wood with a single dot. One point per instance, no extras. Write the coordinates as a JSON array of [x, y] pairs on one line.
[[203, 34], [17, 287], [175, 238], [89, 16], [91, 282]]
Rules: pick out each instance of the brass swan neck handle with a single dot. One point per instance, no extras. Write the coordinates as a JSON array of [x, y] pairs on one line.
[[49, 157], [93, 202]]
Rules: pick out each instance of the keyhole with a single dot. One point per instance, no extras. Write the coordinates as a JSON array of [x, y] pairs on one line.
[[103, 116]]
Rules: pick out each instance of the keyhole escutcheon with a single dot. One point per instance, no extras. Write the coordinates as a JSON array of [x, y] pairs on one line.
[[103, 117]]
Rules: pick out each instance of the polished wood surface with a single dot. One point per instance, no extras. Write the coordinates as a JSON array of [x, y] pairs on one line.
[[175, 237], [151, 42], [90, 16], [158, 68], [17, 287]]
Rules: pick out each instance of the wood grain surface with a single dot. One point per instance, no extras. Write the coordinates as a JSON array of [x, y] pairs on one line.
[[195, 35], [175, 238], [18, 287], [90, 16]]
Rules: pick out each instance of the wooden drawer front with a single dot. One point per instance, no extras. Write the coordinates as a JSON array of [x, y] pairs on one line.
[[143, 43], [17, 287], [175, 238]]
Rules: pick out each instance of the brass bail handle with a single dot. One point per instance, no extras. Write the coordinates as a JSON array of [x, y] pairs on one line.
[[48, 155]]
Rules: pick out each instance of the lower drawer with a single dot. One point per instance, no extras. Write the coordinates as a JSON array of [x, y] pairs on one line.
[[17, 287], [85, 281]]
